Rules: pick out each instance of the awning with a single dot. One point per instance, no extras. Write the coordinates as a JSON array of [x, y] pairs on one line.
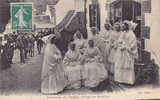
[[67, 19]]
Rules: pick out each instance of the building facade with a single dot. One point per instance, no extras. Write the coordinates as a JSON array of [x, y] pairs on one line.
[[133, 10], [151, 21], [152, 43]]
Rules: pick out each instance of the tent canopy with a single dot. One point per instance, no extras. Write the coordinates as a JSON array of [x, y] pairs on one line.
[[65, 20]]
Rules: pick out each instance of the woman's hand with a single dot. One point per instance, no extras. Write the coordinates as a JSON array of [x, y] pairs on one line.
[[123, 48], [93, 59], [106, 41], [59, 59], [50, 71]]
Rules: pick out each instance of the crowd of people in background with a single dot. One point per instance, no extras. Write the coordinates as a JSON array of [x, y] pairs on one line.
[[87, 63], [23, 41]]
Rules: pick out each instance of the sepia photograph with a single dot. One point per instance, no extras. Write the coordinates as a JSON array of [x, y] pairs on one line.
[[80, 49]]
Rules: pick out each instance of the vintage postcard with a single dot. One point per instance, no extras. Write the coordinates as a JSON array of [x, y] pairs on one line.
[[79, 49]]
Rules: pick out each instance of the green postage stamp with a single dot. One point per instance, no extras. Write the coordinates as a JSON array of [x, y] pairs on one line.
[[21, 16]]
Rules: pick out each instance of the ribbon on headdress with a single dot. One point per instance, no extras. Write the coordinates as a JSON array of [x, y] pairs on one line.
[[131, 24], [134, 25], [48, 38], [108, 24], [94, 29], [117, 23]]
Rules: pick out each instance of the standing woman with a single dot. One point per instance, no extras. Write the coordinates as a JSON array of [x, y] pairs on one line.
[[96, 38], [53, 78], [4, 58], [105, 37], [1, 50], [114, 36], [125, 56], [79, 41]]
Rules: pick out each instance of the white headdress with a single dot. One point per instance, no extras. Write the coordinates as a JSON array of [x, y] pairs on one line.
[[132, 25]]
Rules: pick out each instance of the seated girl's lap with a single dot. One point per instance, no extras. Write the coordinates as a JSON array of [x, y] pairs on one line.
[[97, 69], [73, 72], [74, 68], [94, 65]]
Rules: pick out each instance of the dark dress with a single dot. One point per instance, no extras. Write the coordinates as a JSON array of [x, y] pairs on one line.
[[0, 56], [4, 63]]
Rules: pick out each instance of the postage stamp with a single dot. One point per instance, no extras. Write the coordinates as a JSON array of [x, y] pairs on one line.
[[21, 16]]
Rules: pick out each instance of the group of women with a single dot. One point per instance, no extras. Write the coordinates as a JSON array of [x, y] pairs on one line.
[[87, 63]]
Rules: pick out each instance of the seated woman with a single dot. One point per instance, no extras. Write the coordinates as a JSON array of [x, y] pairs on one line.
[[73, 67], [94, 71], [79, 41]]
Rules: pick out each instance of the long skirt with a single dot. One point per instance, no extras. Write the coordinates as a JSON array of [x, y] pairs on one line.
[[93, 74], [74, 76], [1, 64], [55, 82], [126, 76], [111, 60], [106, 57], [4, 61], [124, 68]]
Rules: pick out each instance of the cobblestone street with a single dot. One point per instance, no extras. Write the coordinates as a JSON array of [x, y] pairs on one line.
[[26, 78], [22, 78]]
